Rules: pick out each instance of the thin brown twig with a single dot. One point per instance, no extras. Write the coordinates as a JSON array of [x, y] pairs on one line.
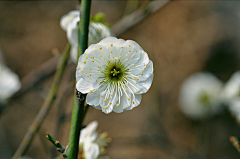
[[130, 20], [45, 107]]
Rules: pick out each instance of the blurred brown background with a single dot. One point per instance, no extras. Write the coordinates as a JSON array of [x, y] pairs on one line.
[[182, 38]]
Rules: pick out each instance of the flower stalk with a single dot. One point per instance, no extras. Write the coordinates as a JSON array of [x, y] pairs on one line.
[[79, 99], [45, 107]]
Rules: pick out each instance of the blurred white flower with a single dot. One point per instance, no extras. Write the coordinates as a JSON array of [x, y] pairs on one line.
[[91, 143], [200, 96], [67, 18], [9, 83], [231, 95], [97, 31], [114, 73]]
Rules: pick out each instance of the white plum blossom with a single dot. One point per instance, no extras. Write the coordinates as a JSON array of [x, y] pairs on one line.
[[67, 18], [231, 95], [114, 73], [91, 143], [200, 96], [9, 83], [97, 31]]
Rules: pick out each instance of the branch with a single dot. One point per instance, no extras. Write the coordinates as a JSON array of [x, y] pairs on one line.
[[56, 143], [78, 106], [235, 142], [45, 107], [129, 21]]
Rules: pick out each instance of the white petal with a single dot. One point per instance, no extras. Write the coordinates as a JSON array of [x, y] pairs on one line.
[[232, 87], [118, 109], [72, 31], [132, 44], [91, 150], [68, 18], [124, 102], [137, 101], [84, 87], [89, 132], [145, 85], [74, 53], [94, 97], [147, 72], [9, 83], [144, 58]]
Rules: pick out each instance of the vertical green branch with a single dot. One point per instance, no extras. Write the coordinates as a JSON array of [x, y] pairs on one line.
[[78, 106]]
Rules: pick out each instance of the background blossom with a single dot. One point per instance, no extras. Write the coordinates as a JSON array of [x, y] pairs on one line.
[[91, 143], [9, 83], [97, 31], [231, 95], [200, 95]]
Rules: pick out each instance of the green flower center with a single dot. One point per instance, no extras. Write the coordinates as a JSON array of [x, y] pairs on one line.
[[115, 71], [204, 98]]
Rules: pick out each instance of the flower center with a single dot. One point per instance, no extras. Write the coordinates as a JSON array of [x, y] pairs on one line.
[[204, 98], [114, 72]]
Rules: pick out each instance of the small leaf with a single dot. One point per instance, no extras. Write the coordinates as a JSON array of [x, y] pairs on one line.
[[99, 17]]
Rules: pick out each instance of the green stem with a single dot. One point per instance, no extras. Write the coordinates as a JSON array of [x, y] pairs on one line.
[[78, 106], [45, 107], [56, 143]]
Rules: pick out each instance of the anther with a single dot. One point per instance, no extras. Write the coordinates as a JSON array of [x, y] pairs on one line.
[[117, 105], [84, 62], [90, 91], [86, 57], [106, 107]]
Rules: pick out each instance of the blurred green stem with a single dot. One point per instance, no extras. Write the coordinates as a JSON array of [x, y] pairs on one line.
[[45, 107], [78, 106]]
